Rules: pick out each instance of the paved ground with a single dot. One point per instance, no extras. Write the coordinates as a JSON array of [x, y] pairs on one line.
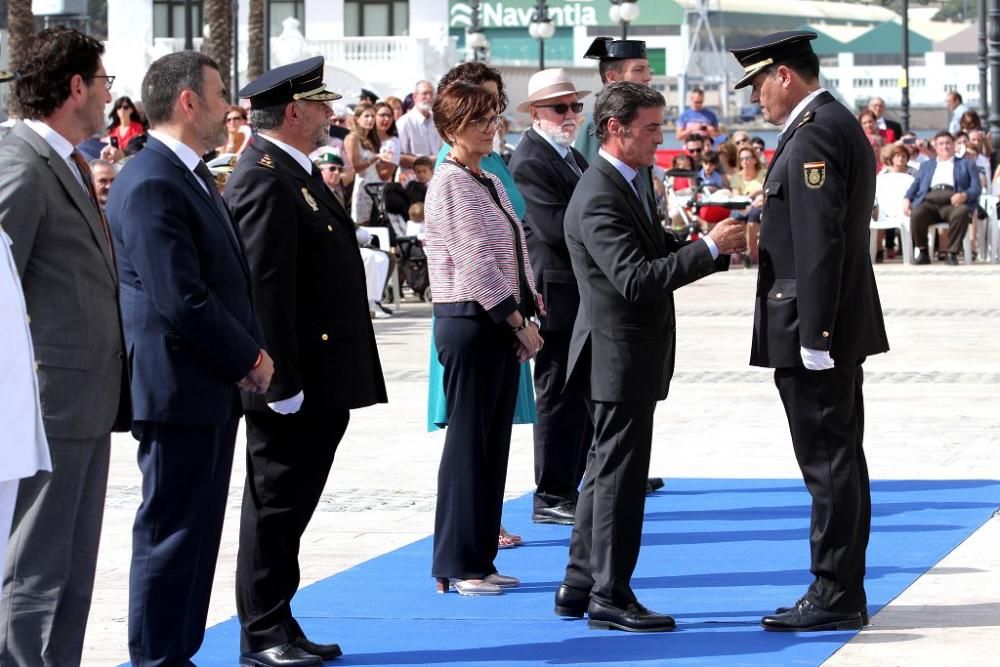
[[932, 406]]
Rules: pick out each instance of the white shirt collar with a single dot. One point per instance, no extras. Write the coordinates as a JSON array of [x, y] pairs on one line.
[[799, 107], [184, 152], [295, 153], [562, 150], [58, 142], [627, 172], [950, 160]]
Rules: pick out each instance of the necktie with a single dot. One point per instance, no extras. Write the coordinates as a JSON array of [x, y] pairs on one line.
[[201, 171], [571, 161], [642, 190], [88, 183]]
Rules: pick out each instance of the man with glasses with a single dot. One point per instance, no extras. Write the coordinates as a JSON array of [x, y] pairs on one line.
[[546, 169], [309, 288], [62, 251], [694, 146]]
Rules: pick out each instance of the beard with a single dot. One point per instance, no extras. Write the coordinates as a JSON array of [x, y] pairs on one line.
[[561, 135], [424, 107], [212, 132]]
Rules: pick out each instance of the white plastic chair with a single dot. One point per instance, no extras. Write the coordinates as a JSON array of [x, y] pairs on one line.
[[989, 230], [382, 234], [890, 188], [966, 242]]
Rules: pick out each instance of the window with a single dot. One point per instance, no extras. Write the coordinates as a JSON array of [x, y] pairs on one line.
[[168, 18], [918, 83], [862, 83], [283, 9], [887, 83], [376, 18], [972, 88], [834, 83], [950, 87]]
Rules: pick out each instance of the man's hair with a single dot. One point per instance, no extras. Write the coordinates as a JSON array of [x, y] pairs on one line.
[[757, 140], [710, 157], [477, 73], [605, 66], [694, 136], [944, 133], [93, 164], [168, 77], [697, 91], [622, 100], [955, 95], [268, 118], [806, 66], [423, 161], [460, 102], [54, 57], [960, 134]]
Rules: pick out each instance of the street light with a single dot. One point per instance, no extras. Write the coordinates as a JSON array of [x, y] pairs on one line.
[[475, 39], [541, 28], [623, 12]]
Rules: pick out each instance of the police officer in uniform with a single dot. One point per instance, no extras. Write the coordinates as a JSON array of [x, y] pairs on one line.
[[817, 314], [309, 289]]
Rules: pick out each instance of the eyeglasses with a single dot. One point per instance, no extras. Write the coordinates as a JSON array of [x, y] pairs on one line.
[[332, 169], [486, 124], [694, 150], [561, 109], [109, 80], [748, 158]]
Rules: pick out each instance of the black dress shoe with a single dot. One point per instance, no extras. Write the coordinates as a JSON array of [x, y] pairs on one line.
[[324, 651], [922, 258], [283, 655], [633, 618], [951, 259], [652, 484], [561, 514], [807, 617], [571, 602], [864, 613]]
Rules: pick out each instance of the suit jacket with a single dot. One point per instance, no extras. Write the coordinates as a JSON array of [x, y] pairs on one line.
[[627, 269], [815, 286], [966, 180], [546, 181], [308, 282], [190, 325], [71, 291]]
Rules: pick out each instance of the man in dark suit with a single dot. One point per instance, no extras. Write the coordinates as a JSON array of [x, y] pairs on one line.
[[62, 252], [622, 349], [546, 169], [893, 130], [817, 313], [946, 188], [193, 339], [309, 286]]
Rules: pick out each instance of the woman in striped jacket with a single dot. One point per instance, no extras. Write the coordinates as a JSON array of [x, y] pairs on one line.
[[484, 299]]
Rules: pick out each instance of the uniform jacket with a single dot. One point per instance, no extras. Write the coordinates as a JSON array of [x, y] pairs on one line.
[[815, 286], [627, 268], [190, 325], [308, 282], [546, 181], [70, 287], [966, 180]]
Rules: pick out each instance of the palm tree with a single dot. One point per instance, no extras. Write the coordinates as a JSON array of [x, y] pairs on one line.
[[218, 46], [255, 36], [20, 28]]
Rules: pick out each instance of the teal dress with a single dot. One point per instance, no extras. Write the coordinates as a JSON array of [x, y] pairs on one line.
[[437, 407]]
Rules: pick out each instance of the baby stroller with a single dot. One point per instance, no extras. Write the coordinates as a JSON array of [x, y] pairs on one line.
[[389, 209], [698, 207]]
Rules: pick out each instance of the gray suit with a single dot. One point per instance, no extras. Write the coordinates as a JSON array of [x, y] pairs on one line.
[[71, 290]]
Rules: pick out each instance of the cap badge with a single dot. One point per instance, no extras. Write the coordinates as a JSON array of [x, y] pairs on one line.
[[309, 199], [815, 174]]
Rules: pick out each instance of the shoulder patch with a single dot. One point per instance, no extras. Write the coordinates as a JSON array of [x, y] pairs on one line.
[[266, 161], [815, 174]]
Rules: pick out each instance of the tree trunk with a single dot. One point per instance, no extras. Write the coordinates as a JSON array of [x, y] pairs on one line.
[[219, 44], [255, 37], [20, 28]]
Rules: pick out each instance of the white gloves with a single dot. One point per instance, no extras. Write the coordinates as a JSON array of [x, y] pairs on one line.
[[816, 360], [290, 406]]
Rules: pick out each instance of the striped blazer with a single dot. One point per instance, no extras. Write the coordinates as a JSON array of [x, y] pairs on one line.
[[470, 244]]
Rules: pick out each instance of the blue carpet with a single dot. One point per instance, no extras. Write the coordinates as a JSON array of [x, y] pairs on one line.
[[717, 555]]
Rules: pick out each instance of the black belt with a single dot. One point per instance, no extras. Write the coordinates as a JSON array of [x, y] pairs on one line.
[[941, 187]]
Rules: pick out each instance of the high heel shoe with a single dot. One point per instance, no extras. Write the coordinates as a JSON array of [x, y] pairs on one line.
[[502, 580], [469, 586]]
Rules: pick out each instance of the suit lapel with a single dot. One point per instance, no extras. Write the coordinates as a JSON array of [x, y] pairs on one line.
[[558, 162], [643, 224]]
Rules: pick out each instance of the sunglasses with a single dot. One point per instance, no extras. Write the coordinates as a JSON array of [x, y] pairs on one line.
[[748, 158], [561, 109], [332, 169], [694, 150]]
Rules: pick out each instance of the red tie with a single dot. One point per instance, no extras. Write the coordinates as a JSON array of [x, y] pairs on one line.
[[88, 182]]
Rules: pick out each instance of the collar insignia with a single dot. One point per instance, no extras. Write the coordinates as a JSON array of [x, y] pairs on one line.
[[309, 199]]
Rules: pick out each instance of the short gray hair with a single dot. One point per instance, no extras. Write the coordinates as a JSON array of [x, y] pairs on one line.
[[622, 100], [168, 77], [269, 117]]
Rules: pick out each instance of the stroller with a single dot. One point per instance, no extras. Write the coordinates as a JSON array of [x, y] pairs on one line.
[[389, 209]]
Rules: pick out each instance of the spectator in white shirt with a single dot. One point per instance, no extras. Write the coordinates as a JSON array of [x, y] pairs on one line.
[[417, 134]]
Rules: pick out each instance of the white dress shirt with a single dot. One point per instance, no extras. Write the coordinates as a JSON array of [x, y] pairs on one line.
[[294, 152], [417, 134], [944, 173], [184, 153]]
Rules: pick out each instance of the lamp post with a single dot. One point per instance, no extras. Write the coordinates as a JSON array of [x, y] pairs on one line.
[[905, 101], [624, 12], [984, 100], [541, 28], [475, 39], [994, 61]]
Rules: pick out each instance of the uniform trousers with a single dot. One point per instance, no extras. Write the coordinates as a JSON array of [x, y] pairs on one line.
[[604, 547], [176, 536], [563, 432], [480, 388], [825, 412], [288, 463], [48, 579], [937, 207]]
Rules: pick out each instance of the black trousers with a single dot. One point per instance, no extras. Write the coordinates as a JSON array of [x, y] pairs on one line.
[[176, 536], [288, 462], [604, 547], [826, 416], [563, 432], [480, 388]]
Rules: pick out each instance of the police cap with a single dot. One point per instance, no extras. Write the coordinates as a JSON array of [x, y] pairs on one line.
[[609, 48], [298, 81], [772, 49]]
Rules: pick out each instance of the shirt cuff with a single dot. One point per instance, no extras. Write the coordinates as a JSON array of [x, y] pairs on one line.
[[816, 360], [712, 248]]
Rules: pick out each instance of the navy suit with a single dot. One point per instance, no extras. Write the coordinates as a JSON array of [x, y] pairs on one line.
[[191, 334], [927, 211]]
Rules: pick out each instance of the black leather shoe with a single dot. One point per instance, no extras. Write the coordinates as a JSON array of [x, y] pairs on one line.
[[807, 617], [324, 651], [561, 514], [652, 484], [784, 610], [571, 602], [633, 618], [922, 258], [283, 655], [951, 259]]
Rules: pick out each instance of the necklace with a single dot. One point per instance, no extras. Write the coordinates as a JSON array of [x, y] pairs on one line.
[[476, 172]]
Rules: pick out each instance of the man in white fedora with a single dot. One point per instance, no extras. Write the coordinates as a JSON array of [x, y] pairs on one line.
[[546, 169]]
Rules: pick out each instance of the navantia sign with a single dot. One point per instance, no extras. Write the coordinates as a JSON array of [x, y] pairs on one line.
[[518, 13]]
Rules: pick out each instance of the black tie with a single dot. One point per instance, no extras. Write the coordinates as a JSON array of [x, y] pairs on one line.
[[571, 161], [642, 189], [202, 171]]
